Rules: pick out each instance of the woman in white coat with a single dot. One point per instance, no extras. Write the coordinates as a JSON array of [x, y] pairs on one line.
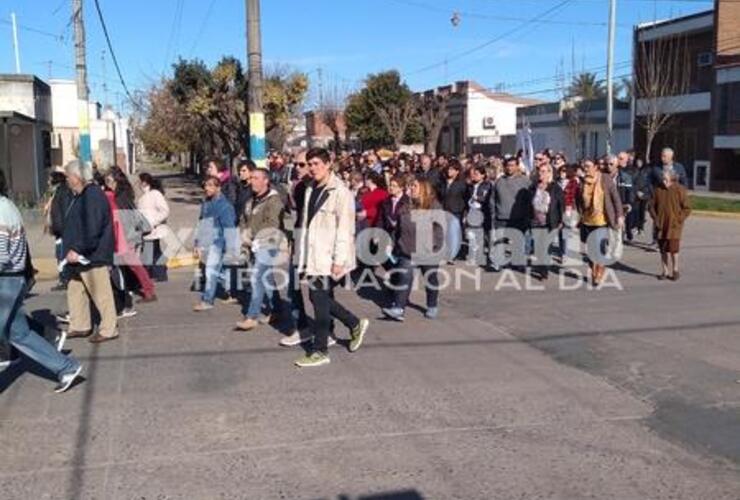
[[153, 205]]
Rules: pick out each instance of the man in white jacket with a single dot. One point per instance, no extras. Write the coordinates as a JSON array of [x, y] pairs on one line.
[[326, 254]]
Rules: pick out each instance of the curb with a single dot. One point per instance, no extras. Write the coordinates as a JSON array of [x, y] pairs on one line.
[[716, 215], [182, 261], [48, 271]]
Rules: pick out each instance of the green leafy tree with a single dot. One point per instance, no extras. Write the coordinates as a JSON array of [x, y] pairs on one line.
[[383, 112], [282, 99]]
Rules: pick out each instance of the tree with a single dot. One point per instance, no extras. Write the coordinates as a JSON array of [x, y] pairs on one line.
[[283, 96], [203, 111], [625, 89], [331, 113], [432, 113], [382, 111], [168, 128], [587, 86], [661, 72]]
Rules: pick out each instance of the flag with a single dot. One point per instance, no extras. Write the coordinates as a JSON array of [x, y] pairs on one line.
[[525, 144]]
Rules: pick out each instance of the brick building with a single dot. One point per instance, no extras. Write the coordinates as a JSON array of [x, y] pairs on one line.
[[705, 128]]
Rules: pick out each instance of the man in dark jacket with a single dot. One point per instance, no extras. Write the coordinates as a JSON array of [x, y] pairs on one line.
[[478, 214], [667, 157], [88, 246], [625, 185], [454, 190], [60, 202]]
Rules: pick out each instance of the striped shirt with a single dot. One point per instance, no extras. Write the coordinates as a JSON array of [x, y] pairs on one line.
[[13, 243]]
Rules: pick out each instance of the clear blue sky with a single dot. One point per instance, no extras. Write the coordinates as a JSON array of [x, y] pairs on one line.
[[347, 39]]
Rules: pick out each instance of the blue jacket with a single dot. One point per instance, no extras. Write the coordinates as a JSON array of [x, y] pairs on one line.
[[88, 228], [217, 226]]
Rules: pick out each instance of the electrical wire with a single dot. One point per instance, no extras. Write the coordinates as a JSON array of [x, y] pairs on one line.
[[478, 15], [34, 30], [113, 53], [203, 25], [491, 41]]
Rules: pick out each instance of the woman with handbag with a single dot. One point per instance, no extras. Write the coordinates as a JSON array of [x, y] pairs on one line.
[[134, 226], [153, 205]]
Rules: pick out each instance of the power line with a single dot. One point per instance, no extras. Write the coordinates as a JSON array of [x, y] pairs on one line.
[[113, 53], [493, 40], [174, 31], [58, 38], [478, 15], [203, 25]]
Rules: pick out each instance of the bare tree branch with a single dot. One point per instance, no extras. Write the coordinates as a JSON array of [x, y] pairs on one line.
[[662, 71]]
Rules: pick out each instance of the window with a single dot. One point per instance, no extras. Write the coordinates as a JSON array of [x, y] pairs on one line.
[[594, 144], [704, 59]]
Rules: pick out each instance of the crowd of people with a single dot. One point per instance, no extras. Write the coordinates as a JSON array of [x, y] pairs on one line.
[[322, 219], [494, 209], [103, 235]]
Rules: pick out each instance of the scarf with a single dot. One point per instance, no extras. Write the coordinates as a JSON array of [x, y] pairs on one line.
[[593, 201]]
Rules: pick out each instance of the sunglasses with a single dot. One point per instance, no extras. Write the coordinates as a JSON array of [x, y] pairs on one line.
[[300, 164]]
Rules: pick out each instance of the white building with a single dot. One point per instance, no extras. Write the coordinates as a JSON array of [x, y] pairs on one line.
[[110, 134], [575, 127], [478, 118]]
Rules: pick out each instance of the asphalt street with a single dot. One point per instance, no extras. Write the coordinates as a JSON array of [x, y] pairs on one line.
[[626, 393]]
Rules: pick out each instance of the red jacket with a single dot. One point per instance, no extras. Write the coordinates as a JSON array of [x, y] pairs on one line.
[[371, 202], [119, 236]]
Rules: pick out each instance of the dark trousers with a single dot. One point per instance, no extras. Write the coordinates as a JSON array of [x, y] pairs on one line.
[[321, 294], [405, 272], [640, 211], [152, 255]]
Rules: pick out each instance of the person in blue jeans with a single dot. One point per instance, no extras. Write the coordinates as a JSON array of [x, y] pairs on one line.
[[264, 239], [215, 240], [14, 327], [417, 250]]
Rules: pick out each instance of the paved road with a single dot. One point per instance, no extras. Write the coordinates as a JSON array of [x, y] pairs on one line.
[[510, 394]]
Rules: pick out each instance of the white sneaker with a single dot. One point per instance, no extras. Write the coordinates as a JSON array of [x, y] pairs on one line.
[[295, 339], [67, 380], [62, 318], [127, 313], [60, 339]]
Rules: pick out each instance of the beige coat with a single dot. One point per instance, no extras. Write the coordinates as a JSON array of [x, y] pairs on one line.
[[153, 205], [330, 238]]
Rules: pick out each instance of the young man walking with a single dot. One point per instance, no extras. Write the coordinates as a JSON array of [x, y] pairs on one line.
[[13, 288], [326, 254], [216, 238]]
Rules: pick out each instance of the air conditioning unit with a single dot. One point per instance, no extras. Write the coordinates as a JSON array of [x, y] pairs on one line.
[[489, 123], [704, 59], [56, 141]]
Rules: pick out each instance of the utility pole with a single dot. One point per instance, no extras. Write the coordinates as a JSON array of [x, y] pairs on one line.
[[254, 57], [83, 119], [15, 44], [610, 78]]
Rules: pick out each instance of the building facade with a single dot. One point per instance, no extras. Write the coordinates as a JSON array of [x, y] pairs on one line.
[[25, 135], [725, 166], [704, 123], [575, 127], [110, 133], [478, 119]]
